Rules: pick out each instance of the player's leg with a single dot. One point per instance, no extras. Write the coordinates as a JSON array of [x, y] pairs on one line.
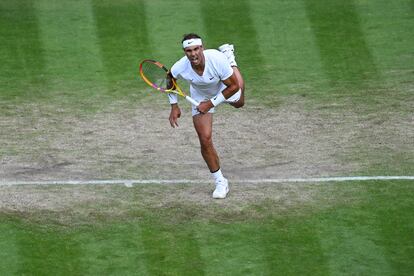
[[237, 100], [203, 124]]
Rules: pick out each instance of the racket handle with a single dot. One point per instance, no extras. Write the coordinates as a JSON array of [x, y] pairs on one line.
[[191, 100]]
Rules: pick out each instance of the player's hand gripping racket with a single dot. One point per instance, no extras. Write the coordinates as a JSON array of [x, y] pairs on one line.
[[155, 75]]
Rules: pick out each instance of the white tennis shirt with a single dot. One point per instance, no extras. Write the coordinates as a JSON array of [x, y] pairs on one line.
[[217, 68]]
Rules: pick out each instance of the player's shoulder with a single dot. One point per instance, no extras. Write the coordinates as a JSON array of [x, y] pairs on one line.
[[215, 56], [213, 53], [182, 62], [218, 61], [180, 66]]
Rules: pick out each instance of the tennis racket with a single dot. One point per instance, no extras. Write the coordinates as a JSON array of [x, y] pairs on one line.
[[154, 74]]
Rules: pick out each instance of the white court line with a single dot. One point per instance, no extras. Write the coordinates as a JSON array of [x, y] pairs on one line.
[[131, 182]]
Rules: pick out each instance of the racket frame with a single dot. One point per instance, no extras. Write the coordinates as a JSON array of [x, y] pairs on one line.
[[174, 88]]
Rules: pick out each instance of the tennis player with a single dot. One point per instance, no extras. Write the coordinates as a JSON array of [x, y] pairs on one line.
[[214, 79]]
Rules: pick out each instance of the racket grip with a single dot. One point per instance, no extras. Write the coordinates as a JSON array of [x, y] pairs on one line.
[[191, 100]]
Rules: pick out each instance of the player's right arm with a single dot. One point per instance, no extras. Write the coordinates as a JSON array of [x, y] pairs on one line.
[[175, 112]]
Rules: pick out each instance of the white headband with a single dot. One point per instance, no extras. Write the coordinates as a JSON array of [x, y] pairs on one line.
[[192, 42]]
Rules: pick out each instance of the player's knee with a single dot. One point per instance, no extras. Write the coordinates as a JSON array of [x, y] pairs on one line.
[[206, 141]]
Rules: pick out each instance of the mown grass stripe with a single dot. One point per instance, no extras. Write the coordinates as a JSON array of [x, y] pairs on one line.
[[343, 49], [290, 54], [21, 51], [10, 249], [233, 23], [370, 235], [122, 34], [238, 246], [390, 40], [344, 245], [71, 47], [168, 23]]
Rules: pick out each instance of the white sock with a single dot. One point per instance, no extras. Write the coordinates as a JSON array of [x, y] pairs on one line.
[[218, 175]]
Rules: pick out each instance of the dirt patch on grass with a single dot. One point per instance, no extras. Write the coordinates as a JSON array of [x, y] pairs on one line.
[[293, 140], [253, 143], [71, 205]]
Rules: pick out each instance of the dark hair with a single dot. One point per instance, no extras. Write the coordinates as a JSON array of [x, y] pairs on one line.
[[189, 36]]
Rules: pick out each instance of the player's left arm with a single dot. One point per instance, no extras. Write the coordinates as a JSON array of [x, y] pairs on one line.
[[232, 86]]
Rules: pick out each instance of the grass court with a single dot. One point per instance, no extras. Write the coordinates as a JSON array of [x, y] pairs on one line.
[[330, 92]]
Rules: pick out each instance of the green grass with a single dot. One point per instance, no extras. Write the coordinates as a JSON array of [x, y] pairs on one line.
[[89, 51], [360, 228], [73, 59]]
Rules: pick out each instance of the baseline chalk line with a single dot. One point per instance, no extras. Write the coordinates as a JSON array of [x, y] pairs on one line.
[[131, 182]]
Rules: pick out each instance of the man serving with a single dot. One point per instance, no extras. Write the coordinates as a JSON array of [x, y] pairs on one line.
[[214, 79]]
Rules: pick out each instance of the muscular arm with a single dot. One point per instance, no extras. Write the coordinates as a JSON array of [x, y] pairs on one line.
[[232, 87]]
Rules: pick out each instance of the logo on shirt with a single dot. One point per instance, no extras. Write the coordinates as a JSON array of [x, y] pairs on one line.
[[211, 78]]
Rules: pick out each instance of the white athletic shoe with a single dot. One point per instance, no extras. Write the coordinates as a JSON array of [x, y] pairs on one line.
[[222, 189], [228, 51]]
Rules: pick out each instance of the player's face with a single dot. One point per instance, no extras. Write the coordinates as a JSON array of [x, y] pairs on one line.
[[195, 55]]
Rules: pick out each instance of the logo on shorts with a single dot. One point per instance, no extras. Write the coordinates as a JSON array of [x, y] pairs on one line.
[[211, 78]]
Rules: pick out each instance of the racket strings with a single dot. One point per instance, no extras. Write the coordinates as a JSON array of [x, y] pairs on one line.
[[155, 74]]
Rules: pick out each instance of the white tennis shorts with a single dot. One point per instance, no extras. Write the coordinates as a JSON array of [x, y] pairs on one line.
[[200, 98]]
